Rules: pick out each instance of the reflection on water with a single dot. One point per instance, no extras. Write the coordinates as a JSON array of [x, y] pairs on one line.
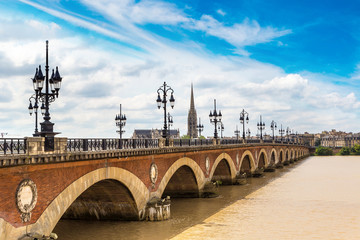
[[314, 199]]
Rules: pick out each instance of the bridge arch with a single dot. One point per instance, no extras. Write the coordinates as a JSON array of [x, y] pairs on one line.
[[186, 164], [247, 159], [273, 156], [222, 164], [287, 155], [52, 214], [281, 156], [263, 160]]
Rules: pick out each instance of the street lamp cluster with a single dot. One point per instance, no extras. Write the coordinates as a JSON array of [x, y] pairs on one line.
[[162, 102], [261, 127], [45, 97], [120, 121], [244, 116], [200, 127], [215, 118]]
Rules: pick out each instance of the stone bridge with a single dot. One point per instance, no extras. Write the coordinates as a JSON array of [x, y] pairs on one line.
[[37, 190]]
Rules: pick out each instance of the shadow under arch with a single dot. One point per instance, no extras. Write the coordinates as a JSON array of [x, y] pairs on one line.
[[52, 214], [183, 165], [287, 157], [223, 169], [273, 157], [263, 160], [247, 163], [281, 156]]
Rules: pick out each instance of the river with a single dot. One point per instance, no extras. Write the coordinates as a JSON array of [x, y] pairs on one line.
[[316, 198]]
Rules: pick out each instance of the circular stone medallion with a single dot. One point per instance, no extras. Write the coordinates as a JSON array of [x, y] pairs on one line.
[[26, 198], [153, 173]]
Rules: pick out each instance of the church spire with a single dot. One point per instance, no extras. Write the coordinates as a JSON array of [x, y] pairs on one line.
[[192, 104], [192, 117]]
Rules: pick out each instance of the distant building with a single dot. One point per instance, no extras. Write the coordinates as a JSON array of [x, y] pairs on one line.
[[154, 133], [192, 117], [333, 139], [352, 139]]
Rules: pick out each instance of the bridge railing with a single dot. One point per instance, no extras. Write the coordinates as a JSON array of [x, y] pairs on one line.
[[230, 141], [95, 144], [192, 142], [12, 146], [252, 140]]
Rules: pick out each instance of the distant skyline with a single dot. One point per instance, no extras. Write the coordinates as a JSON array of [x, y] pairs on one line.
[[297, 63]]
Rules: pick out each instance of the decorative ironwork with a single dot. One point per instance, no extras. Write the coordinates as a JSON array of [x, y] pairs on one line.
[[192, 142], [97, 144], [12, 145]]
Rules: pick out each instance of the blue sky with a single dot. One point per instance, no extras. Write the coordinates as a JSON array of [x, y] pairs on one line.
[[295, 62]]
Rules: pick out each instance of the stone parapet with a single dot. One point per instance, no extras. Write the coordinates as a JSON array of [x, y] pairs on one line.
[[36, 146]]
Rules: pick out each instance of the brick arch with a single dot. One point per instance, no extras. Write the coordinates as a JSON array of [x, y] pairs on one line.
[[275, 155], [52, 214], [266, 159], [292, 154], [229, 161], [252, 161], [185, 161], [281, 153], [287, 155]]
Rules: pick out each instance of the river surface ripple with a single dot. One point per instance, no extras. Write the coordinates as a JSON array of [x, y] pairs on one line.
[[317, 198]]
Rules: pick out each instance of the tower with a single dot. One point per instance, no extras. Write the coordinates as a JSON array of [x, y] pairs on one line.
[[192, 117]]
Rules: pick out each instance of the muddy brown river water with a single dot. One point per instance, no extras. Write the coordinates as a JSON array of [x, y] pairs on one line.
[[316, 198]]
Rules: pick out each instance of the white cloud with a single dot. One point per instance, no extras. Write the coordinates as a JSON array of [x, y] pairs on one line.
[[221, 12], [242, 34]]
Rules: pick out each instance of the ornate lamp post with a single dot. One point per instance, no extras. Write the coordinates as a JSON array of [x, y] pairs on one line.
[[221, 129], [237, 133], [281, 131], [261, 127], [288, 131], [46, 98], [165, 89], [34, 109], [170, 123], [200, 127], [248, 132], [215, 118], [120, 121], [244, 116], [273, 128]]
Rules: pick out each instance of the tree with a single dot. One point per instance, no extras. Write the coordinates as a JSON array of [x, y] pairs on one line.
[[345, 151], [356, 149], [323, 151], [185, 137], [317, 142]]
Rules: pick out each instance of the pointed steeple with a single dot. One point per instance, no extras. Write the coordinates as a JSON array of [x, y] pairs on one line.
[[192, 104], [192, 117]]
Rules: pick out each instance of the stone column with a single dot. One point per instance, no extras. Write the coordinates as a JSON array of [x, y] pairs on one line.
[[171, 142], [161, 142], [35, 145], [60, 145]]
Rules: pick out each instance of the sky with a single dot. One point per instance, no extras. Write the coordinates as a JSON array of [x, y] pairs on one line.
[[294, 62]]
